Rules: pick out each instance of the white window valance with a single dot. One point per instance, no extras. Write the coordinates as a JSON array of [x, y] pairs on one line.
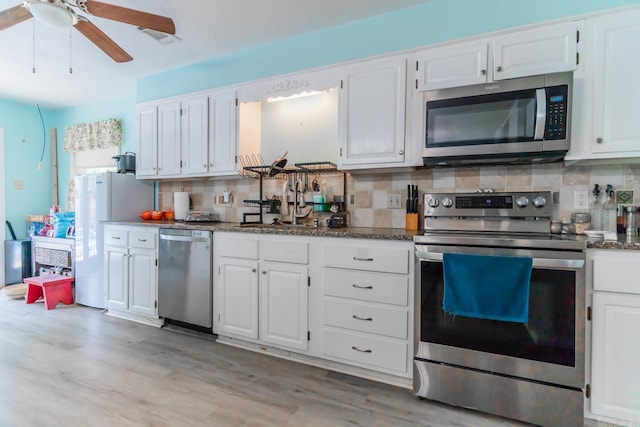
[[91, 136]]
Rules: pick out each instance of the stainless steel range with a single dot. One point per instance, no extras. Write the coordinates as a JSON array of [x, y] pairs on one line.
[[530, 369]]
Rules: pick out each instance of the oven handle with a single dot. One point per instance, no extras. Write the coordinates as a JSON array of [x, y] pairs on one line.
[[572, 264]]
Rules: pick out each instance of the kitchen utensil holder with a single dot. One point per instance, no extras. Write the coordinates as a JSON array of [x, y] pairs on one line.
[[411, 222]]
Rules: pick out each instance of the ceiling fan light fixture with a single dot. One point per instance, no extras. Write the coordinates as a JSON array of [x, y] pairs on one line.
[[52, 13]]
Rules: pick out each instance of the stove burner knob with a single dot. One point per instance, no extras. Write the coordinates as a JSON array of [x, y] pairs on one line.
[[447, 202], [433, 202], [522, 202], [539, 202]]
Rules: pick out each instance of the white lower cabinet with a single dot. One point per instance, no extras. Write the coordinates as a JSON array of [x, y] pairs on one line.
[[367, 305], [131, 273], [262, 291], [238, 297], [339, 303], [284, 302], [615, 349], [616, 352]]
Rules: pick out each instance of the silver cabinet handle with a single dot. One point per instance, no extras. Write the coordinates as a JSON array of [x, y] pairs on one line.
[[483, 72], [599, 140], [401, 153], [115, 237], [368, 319], [204, 165], [264, 272], [498, 68], [355, 258], [362, 287], [142, 240], [253, 270], [361, 351]]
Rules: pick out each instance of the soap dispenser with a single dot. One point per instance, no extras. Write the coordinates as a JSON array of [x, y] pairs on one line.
[[597, 209]]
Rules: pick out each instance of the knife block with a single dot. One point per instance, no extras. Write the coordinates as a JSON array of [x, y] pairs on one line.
[[411, 222]]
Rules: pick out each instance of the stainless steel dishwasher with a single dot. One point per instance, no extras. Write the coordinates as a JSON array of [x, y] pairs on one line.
[[184, 276]]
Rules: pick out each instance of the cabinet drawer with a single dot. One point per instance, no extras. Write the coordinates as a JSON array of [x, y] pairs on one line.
[[239, 248], [283, 251], [361, 285], [615, 271], [388, 321], [142, 239], [365, 258], [361, 350], [114, 237]]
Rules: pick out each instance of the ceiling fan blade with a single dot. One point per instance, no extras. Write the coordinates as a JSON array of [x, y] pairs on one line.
[[130, 16], [13, 16], [100, 39]]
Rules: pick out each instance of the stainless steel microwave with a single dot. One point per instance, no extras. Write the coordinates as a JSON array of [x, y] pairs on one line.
[[520, 120]]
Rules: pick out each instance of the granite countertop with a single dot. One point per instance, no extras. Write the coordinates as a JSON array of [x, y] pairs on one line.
[[624, 242], [399, 234]]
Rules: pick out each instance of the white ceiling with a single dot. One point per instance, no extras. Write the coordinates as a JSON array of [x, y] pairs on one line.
[[207, 29]]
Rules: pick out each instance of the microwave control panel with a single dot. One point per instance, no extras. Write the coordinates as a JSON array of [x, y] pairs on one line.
[[556, 125]]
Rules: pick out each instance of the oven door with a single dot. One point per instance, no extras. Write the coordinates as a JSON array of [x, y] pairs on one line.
[[548, 348]]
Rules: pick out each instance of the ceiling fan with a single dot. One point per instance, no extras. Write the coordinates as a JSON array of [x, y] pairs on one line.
[[62, 13]]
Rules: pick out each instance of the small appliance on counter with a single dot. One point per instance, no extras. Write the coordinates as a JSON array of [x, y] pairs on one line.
[[126, 163], [201, 216], [338, 220]]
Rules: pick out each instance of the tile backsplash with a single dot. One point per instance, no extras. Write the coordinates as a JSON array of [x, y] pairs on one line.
[[367, 192]]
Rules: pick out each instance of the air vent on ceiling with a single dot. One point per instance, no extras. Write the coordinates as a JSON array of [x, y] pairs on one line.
[[161, 37]]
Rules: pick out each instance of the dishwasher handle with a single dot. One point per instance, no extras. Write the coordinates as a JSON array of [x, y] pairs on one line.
[[183, 238]]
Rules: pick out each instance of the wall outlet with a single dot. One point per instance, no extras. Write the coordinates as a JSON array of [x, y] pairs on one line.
[[393, 201], [581, 199]]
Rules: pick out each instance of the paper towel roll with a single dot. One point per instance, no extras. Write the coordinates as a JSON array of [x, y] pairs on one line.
[[181, 204]]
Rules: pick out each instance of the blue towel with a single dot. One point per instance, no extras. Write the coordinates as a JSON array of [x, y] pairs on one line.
[[487, 287]]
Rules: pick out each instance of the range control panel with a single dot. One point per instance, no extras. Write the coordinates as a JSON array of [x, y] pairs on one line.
[[488, 204]]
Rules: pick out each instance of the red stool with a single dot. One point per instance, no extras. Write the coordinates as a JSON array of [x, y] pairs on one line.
[[54, 288]]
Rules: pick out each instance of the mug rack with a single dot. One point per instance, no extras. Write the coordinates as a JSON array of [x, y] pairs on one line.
[[298, 171]]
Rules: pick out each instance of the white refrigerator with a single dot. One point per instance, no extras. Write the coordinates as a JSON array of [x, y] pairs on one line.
[[100, 197]]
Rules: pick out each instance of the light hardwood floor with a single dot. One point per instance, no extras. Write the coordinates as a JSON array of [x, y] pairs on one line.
[[76, 366]]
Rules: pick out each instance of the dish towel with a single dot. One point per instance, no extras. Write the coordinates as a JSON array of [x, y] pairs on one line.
[[487, 287]]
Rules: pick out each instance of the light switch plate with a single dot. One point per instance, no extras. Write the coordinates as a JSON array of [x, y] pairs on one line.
[[393, 201]]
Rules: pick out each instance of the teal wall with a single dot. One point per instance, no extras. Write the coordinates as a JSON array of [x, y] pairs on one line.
[[23, 143], [432, 22]]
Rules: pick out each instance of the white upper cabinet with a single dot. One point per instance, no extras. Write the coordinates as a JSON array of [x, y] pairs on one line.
[[193, 136], [461, 64], [550, 49], [606, 124], [543, 50], [372, 115], [223, 119], [194, 140], [147, 156], [169, 138]]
